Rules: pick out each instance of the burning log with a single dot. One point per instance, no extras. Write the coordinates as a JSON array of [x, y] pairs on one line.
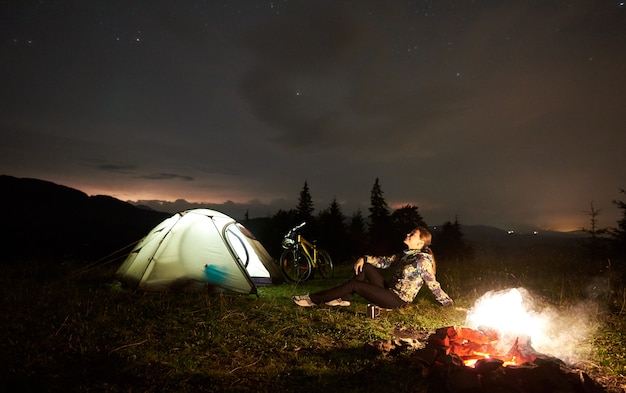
[[459, 359], [472, 345], [462, 360]]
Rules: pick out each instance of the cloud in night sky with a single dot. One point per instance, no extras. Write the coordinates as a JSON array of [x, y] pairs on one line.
[[501, 113]]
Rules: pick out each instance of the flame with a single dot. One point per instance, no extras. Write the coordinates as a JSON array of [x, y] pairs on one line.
[[511, 362], [479, 355], [515, 329], [505, 312], [471, 362], [510, 314]]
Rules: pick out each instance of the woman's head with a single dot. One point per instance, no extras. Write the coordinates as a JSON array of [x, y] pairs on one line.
[[425, 235], [418, 238]]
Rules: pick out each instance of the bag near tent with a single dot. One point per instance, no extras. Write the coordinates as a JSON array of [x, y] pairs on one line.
[[196, 248]]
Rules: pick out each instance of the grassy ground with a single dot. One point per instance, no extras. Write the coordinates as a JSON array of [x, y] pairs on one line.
[[65, 332]]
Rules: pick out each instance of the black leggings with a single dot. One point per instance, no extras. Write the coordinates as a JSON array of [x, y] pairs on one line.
[[374, 290]]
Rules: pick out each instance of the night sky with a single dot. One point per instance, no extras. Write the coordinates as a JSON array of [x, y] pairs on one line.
[[503, 113]]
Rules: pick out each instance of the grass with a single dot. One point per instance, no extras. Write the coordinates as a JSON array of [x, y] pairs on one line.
[[64, 332]]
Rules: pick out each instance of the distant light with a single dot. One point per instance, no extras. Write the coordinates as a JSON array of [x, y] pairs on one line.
[[535, 233], [511, 232]]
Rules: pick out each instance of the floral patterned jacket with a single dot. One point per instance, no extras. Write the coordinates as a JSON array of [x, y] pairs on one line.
[[413, 269]]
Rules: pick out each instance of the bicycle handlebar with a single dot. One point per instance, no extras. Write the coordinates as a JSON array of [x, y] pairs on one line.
[[295, 229]]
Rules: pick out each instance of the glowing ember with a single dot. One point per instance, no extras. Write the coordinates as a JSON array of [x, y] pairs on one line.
[[472, 346]]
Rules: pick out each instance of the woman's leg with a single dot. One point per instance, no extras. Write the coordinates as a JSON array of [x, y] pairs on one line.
[[382, 297], [345, 290], [372, 274], [373, 290]]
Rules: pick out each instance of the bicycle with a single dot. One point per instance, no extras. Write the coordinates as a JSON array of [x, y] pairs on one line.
[[302, 256]]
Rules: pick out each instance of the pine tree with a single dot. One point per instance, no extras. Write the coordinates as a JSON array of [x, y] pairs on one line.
[[333, 214], [304, 210], [404, 220], [619, 234], [332, 230], [595, 244], [379, 222], [449, 242], [357, 233]]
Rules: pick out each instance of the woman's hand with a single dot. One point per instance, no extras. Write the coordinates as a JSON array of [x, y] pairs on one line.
[[358, 265]]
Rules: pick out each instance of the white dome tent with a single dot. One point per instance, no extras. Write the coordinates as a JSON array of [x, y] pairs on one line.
[[196, 248]]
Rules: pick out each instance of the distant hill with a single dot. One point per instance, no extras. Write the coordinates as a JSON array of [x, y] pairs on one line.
[[481, 236], [484, 232], [44, 219]]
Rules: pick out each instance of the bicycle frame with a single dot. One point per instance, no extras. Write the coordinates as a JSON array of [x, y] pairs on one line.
[[302, 257], [309, 248]]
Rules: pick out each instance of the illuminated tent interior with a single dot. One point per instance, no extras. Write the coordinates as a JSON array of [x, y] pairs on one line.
[[195, 249]]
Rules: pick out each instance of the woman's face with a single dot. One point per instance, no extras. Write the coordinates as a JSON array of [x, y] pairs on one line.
[[413, 240]]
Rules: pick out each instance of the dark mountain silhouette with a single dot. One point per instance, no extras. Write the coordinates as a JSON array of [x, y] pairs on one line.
[[43, 219], [46, 220], [520, 243], [488, 233]]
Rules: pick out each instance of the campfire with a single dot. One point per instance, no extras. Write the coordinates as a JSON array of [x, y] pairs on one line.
[[472, 345], [513, 326], [506, 345], [459, 360]]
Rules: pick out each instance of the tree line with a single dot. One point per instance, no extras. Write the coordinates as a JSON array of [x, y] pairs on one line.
[[380, 231]]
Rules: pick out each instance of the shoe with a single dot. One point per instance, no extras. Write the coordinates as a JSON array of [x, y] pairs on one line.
[[303, 301], [338, 302]]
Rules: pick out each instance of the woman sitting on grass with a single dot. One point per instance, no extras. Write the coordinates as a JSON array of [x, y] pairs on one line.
[[414, 267]]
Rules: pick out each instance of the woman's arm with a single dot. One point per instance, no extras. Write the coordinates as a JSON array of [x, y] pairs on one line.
[[358, 265], [427, 267], [378, 262]]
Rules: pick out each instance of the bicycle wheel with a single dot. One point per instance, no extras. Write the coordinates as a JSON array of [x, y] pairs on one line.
[[295, 265], [325, 264]]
